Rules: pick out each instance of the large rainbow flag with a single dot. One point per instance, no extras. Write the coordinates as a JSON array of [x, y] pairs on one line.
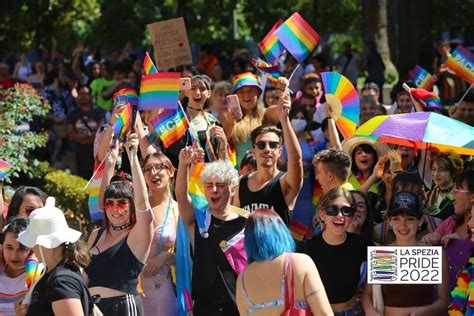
[[159, 91], [170, 125], [123, 123], [421, 78], [270, 46], [461, 62], [298, 37], [148, 65]]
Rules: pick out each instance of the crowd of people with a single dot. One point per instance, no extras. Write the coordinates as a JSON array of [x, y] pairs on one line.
[[286, 227]]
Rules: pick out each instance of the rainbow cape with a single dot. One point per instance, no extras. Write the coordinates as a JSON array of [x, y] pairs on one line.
[[159, 91], [461, 62], [270, 46], [123, 123], [148, 65], [421, 78], [298, 37], [128, 95], [170, 125], [272, 72], [95, 212], [5, 167], [431, 99]]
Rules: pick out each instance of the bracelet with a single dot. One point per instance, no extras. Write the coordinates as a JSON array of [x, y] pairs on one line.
[[145, 211]]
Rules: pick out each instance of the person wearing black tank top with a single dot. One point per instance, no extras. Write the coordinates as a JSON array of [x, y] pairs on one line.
[[213, 276], [269, 187], [120, 249]]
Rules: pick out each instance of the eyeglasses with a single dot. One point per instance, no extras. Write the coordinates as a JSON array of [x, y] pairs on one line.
[[333, 210], [458, 190], [119, 205], [154, 168], [262, 145]]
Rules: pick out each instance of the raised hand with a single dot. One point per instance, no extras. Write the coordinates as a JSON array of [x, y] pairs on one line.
[[131, 145], [379, 166], [284, 105], [218, 133]]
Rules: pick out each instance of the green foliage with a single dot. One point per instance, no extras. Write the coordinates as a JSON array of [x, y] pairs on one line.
[[19, 104], [67, 189]]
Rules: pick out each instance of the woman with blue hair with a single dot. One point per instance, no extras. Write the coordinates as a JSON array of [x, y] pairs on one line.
[[273, 270]]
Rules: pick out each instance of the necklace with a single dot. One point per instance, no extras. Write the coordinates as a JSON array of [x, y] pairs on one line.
[[446, 190], [121, 227], [160, 246]]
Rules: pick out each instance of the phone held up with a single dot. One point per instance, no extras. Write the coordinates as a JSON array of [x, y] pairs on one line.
[[234, 105]]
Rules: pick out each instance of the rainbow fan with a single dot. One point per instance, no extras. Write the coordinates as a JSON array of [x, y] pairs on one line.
[[344, 100]]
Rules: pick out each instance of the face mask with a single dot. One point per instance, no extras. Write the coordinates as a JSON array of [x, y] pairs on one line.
[[298, 125]]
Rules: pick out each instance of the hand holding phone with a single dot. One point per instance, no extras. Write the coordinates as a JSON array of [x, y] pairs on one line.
[[184, 84], [234, 105]]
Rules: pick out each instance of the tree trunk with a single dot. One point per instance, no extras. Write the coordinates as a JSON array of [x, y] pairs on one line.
[[375, 29]]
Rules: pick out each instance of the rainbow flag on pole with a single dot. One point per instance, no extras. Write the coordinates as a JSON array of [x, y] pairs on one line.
[[272, 72], [421, 78], [461, 62], [298, 37], [148, 65], [129, 95], [170, 125], [123, 123], [95, 212], [270, 46], [431, 99], [159, 91], [5, 167]]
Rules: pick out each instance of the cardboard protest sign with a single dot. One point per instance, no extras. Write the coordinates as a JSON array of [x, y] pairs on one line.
[[170, 43]]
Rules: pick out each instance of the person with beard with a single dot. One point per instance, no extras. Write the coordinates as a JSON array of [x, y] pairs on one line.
[[269, 187], [82, 125], [213, 276]]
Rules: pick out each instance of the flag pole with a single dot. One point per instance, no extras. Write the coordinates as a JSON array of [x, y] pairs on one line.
[[95, 172], [193, 132], [465, 93]]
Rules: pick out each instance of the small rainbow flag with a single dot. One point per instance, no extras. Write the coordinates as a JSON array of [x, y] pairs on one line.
[[148, 65], [123, 123], [272, 72], [128, 95], [298, 37], [431, 99], [170, 125], [421, 78], [461, 62], [159, 91], [4, 169], [95, 212], [270, 46], [232, 154], [196, 192], [32, 271]]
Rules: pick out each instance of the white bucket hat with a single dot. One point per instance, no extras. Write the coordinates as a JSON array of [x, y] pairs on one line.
[[48, 228]]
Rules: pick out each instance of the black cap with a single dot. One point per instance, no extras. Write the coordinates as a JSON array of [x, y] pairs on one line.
[[407, 202]]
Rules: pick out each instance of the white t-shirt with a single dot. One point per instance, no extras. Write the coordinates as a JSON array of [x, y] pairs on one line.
[[11, 290]]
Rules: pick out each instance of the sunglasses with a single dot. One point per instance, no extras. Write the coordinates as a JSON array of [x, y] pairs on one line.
[[154, 168], [333, 210], [262, 145], [120, 205]]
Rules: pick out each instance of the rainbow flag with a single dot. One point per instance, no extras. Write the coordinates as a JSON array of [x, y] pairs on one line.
[[272, 72], [298, 37], [148, 65], [196, 192], [123, 123], [159, 91], [298, 230], [32, 271], [5, 167], [95, 212], [461, 62], [128, 95], [232, 154], [421, 78], [431, 99], [170, 125], [270, 46]]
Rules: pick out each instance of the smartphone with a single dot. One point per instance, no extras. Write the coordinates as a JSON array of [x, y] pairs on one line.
[[184, 84], [234, 105]]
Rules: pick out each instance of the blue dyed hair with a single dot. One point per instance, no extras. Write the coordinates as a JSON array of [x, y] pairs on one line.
[[266, 236]]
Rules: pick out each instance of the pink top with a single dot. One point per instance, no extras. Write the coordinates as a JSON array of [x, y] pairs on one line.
[[169, 234], [448, 226]]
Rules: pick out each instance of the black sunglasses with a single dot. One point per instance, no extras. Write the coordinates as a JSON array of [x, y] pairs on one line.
[[333, 210], [262, 145]]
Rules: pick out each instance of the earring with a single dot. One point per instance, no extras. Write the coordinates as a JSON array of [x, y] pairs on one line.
[[419, 227], [390, 227]]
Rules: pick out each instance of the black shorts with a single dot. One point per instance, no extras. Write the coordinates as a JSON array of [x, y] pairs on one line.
[[124, 305]]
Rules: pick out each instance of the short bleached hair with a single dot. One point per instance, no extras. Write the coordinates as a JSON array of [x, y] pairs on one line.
[[222, 170]]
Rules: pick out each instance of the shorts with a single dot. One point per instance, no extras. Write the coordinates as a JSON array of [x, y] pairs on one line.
[[124, 305]]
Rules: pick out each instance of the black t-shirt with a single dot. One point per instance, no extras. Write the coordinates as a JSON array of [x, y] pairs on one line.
[[86, 122], [58, 284], [338, 266], [207, 284]]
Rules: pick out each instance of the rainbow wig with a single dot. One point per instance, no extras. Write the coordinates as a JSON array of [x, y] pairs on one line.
[[266, 236]]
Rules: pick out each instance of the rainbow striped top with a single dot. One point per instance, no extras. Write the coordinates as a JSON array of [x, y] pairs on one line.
[[11, 290]]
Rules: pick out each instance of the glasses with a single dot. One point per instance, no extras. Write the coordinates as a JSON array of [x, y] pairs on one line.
[[333, 210], [154, 168], [119, 205], [459, 190], [262, 145]]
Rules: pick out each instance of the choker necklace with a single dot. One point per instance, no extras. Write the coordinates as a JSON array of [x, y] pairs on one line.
[[446, 190], [122, 227]]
